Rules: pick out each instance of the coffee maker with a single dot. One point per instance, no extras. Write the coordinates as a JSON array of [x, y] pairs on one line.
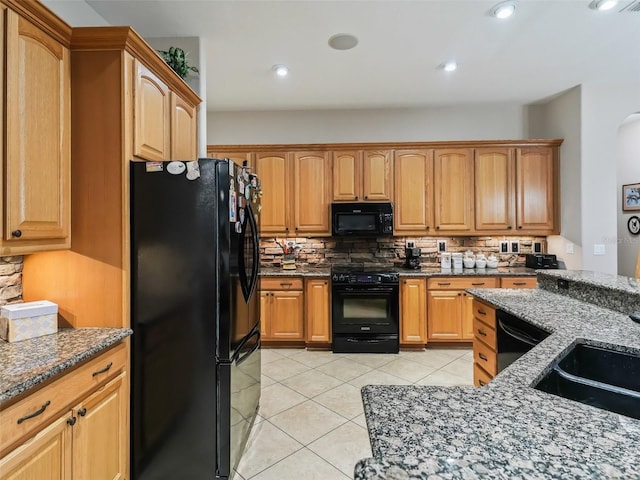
[[412, 256]]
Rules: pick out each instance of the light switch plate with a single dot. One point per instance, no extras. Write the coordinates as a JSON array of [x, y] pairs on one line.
[[504, 247], [570, 248], [599, 249], [515, 246], [442, 245]]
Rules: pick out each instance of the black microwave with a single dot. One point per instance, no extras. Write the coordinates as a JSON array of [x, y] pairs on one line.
[[362, 219]]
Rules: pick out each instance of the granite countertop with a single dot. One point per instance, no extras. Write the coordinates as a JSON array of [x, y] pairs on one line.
[[508, 429], [26, 364], [309, 271]]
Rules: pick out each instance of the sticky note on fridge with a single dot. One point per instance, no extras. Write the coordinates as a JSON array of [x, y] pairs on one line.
[[193, 170]]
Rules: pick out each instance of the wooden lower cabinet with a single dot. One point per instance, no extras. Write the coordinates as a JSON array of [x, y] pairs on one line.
[[413, 311], [450, 317], [317, 312], [89, 438], [282, 309], [485, 358]]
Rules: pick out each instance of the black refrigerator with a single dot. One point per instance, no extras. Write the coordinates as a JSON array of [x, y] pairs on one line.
[[195, 315]]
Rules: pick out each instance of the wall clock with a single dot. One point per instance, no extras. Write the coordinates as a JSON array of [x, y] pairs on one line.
[[633, 224]]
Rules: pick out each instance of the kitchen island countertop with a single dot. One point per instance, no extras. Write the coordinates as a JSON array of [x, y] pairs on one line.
[[26, 364], [508, 429]]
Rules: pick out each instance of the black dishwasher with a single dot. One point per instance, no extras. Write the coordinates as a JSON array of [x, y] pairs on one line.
[[515, 338]]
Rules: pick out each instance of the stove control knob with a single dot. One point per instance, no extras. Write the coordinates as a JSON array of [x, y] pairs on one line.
[[334, 277]]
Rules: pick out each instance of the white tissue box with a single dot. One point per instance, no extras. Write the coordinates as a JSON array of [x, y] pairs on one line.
[[21, 321]]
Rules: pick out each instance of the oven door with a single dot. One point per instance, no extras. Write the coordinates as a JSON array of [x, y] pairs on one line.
[[365, 309]]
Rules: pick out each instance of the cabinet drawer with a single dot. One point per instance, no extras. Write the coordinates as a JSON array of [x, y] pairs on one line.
[[485, 357], [484, 332], [457, 283], [518, 282], [480, 377], [485, 313], [281, 283], [58, 396]]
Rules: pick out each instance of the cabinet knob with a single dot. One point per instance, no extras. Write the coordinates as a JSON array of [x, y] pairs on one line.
[[286, 229], [438, 227], [82, 412], [356, 197], [427, 227], [366, 197], [520, 226], [509, 227], [72, 421], [325, 283], [16, 233]]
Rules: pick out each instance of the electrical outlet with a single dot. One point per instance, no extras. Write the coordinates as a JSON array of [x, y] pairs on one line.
[[515, 246], [442, 245], [599, 249], [570, 248], [410, 244], [537, 247], [504, 247]]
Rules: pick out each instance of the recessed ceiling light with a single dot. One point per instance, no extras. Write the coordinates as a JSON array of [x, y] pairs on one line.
[[603, 5], [449, 66], [342, 41], [504, 9], [280, 70]]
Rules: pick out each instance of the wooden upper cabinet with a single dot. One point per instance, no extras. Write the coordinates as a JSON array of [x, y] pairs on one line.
[[536, 187], [413, 199], [37, 103], [184, 126], [494, 189], [453, 188], [377, 175], [311, 188], [152, 117], [346, 176], [273, 170], [362, 176]]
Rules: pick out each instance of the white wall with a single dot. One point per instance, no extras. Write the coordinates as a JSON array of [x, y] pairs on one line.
[[473, 122], [604, 108], [560, 117], [76, 13], [628, 172]]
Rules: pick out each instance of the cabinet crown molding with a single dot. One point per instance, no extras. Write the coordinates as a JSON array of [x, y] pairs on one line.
[[43, 18], [126, 38]]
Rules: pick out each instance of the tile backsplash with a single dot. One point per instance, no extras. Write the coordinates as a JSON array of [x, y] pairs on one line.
[[10, 279], [389, 251]]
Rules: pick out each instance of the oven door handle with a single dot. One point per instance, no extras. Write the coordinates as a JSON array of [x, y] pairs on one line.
[[518, 334], [365, 290]]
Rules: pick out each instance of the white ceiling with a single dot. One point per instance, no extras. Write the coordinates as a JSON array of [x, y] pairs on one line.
[[547, 47]]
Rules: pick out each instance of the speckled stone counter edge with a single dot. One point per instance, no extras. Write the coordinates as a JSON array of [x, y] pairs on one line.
[[403, 272], [114, 335]]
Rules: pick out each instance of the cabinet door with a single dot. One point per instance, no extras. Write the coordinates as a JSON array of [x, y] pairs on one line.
[[184, 129], [444, 315], [286, 315], [453, 187], [494, 205], [273, 170], [377, 176], [38, 102], [100, 445], [318, 318], [310, 184], [46, 455], [265, 314], [535, 187], [413, 311], [347, 177], [466, 314], [413, 191], [152, 116]]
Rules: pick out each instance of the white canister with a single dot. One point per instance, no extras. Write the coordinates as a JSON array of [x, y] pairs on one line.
[[445, 260], [456, 260]]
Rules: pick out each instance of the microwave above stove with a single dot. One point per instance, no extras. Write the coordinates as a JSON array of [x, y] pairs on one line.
[[362, 219]]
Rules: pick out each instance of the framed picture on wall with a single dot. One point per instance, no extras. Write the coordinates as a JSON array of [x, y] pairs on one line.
[[631, 197]]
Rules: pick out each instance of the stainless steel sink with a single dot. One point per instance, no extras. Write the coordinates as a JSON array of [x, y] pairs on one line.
[[597, 376]]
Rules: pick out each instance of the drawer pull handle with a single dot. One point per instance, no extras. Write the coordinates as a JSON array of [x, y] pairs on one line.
[[105, 369], [482, 332], [481, 312], [444, 284], [519, 283], [286, 284], [82, 412], [482, 384], [477, 284], [36, 413], [483, 357]]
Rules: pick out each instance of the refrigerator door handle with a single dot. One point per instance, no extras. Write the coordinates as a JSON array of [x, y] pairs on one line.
[[253, 349]]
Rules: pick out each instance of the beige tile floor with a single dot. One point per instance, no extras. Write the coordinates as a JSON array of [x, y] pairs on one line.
[[311, 423]]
